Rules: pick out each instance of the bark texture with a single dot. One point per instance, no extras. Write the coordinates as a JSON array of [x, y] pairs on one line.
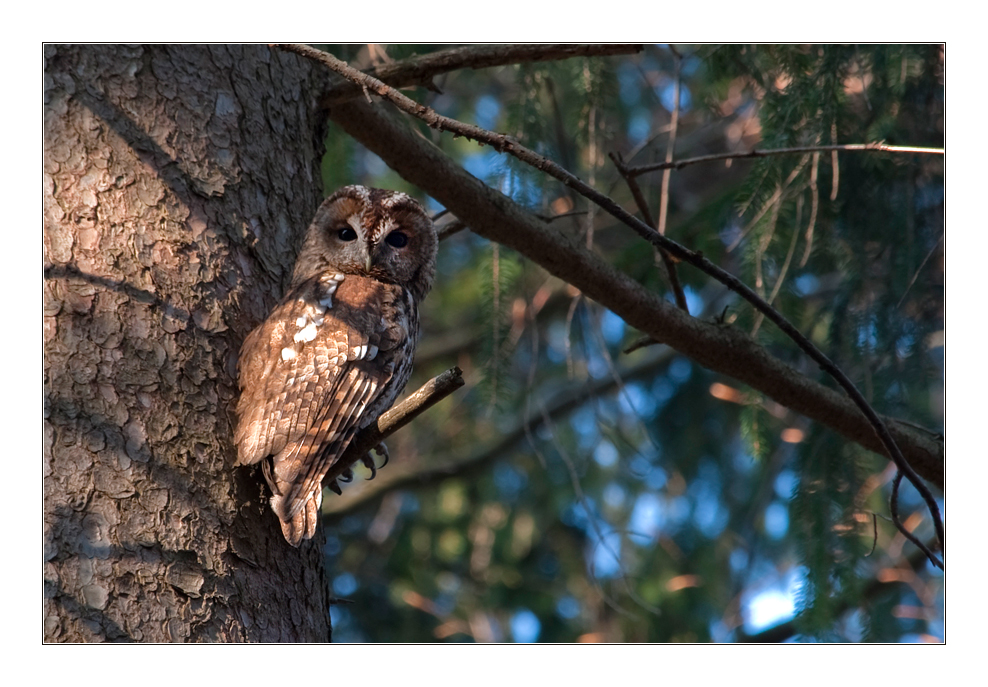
[[177, 182]]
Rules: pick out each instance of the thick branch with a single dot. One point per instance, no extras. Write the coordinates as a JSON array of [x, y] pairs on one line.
[[849, 147], [491, 214], [429, 394], [419, 71]]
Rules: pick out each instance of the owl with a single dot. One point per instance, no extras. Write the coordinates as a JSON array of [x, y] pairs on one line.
[[337, 350]]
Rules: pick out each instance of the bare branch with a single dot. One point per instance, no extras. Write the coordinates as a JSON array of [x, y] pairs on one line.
[[848, 147], [419, 71], [503, 143], [429, 394]]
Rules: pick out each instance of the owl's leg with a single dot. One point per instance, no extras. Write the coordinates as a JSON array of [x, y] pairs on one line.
[[368, 460], [267, 468]]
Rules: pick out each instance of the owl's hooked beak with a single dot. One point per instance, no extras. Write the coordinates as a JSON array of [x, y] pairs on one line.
[[369, 260]]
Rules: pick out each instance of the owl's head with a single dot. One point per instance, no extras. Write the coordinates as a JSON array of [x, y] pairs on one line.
[[372, 232]]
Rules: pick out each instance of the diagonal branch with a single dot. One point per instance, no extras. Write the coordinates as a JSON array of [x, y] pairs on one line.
[[506, 144], [492, 215], [419, 71]]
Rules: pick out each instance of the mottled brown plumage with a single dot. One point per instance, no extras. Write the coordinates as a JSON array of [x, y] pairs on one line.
[[337, 350]]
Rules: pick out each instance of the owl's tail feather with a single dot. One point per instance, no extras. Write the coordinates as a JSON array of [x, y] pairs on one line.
[[302, 525]]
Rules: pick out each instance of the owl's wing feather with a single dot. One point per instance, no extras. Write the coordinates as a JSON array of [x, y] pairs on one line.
[[306, 462], [275, 390]]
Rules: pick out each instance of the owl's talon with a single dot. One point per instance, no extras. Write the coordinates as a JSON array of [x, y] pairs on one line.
[[335, 487], [382, 450], [369, 464], [368, 460], [346, 476]]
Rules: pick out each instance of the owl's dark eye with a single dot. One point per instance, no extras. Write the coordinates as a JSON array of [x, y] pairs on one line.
[[346, 234], [398, 239]]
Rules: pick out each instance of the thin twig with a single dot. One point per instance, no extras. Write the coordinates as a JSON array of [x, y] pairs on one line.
[[507, 144], [755, 153], [894, 512], [597, 331], [644, 144], [429, 394], [835, 163], [785, 265], [762, 246], [592, 152], [671, 146], [815, 200], [552, 218], [667, 261], [920, 269]]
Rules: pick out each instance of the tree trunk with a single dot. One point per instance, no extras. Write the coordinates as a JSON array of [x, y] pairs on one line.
[[177, 182]]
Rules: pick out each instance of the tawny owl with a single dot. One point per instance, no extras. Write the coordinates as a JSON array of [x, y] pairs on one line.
[[337, 350]]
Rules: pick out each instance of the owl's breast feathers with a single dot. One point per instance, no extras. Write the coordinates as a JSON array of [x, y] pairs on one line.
[[332, 356]]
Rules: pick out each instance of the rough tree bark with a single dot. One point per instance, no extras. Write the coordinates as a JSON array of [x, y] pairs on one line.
[[177, 180]]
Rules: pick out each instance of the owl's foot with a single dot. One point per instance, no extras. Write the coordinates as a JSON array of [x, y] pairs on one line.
[[368, 460], [346, 476], [334, 486]]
